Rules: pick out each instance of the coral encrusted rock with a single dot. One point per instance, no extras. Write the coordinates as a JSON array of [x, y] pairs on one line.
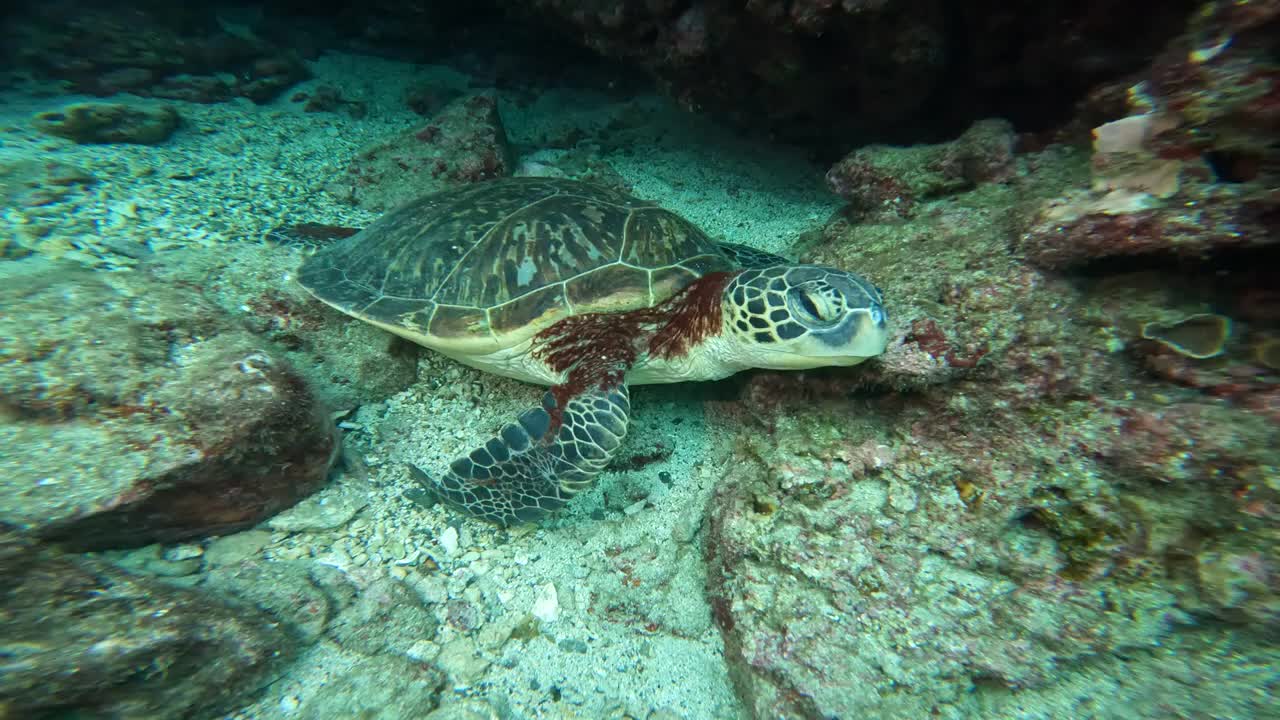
[[1191, 170], [883, 179]]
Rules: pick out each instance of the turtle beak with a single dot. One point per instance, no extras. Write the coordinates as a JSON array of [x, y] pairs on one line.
[[871, 337]]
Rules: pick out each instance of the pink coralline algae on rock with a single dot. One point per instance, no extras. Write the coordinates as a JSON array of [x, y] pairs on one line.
[[1080, 228]]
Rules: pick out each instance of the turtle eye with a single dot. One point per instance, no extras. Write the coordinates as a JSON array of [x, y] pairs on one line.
[[814, 307], [877, 315]]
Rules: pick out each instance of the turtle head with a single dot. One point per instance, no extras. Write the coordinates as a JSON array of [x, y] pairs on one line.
[[794, 317]]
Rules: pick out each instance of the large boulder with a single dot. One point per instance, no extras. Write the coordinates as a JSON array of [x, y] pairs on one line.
[[80, 637], [463, 143], [91, 123], [169, 420]]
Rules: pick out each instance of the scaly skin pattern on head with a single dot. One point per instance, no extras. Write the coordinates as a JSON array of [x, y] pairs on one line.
[[781, 317], [796, 317]]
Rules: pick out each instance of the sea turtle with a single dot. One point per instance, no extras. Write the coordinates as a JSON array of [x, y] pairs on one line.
[[587, 290]]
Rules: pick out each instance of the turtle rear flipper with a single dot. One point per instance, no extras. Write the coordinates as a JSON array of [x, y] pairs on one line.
[[536, 464]]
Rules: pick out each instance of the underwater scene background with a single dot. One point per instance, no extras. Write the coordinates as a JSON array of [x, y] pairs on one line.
[[1054, 494]]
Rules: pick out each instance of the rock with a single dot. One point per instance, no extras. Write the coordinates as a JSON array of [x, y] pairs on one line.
[[191, 53], [426, 98], [1235, 584], [336, 585], [465, 710], [347, 363], [449, 540], [17, 551], [269, 76], [91, 123], [327, 98], [30, 183], [330, 509], [173, 568], [464, 143], [185, 551], [284, 589], [192, 88], [235, 549], [81, 637], [1009, 524], [382, 687], [461, 662], [546, 603], [33, 190], [1083, 227], [649, 585], [843, 71], [125, 79], [1190, 444], [1193, 154], [882, 179], [832, 606], [170, 420], [385, 616]]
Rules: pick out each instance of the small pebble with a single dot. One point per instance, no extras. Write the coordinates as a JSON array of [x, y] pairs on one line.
[[449, 540], [186, 551], [423, 651], [166, 568], [237, 548], [546, 605]]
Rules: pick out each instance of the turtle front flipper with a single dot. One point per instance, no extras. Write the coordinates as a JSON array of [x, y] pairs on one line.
[[308, 234], [536, 464]]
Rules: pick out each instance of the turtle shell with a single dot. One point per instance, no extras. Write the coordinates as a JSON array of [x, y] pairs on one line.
[[487, 266]]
